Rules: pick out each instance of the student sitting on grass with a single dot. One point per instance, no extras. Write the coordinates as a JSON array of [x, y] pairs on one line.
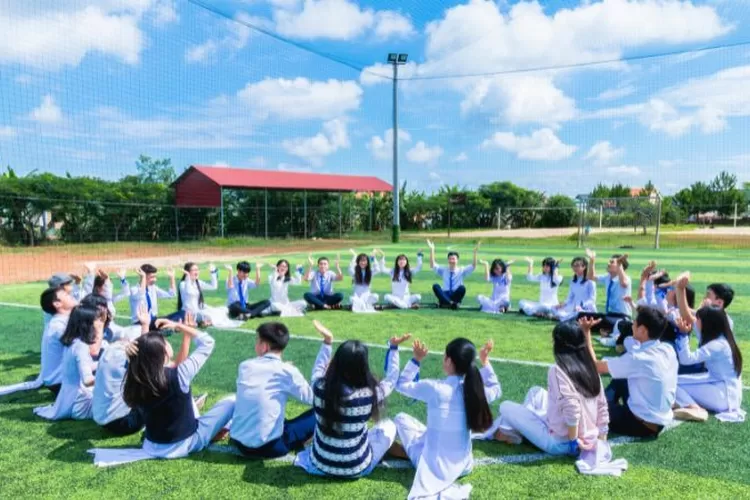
[[501, 278], [363, 300], [264, 384], [68, 282], [321, 294], [453, 290], [642, 392], [401, 278], [582, 295], [148, 293], [238, 291], [617, 288], [549, 287]]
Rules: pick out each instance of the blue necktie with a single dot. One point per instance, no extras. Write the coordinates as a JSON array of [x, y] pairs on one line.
[[148, 302], [322, 289], [609, 293], [450, 282], [239, 291]]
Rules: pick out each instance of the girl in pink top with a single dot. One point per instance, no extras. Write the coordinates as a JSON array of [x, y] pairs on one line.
[[572, 413]]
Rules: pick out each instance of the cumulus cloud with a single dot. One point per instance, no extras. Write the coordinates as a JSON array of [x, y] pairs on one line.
[[382, 147], [331, 138], [541, 145], [47, 112], [603, 153], [422, 153]]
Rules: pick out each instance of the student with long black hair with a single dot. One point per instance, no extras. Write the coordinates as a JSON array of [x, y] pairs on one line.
[[549, 287], [363, 300], [278, 281], [572, 413], [501, 278], [401, 278], [82, 339], [582, 296], [348, 396], [190, 294], [456, 406]]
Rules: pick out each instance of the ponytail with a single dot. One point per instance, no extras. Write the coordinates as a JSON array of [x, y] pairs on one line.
[[463, 353]]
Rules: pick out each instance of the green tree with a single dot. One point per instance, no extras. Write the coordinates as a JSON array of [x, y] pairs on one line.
[[155, 171], [560, 212]]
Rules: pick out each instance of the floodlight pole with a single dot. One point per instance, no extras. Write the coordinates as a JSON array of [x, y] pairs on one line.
[[396, 201]]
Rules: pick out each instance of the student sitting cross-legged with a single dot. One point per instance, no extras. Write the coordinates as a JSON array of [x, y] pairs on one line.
[[321, 294], [238, 289], [453, 290], [264, 384]]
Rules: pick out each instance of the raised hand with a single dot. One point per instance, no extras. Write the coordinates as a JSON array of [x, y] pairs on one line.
[[529, 260], [170, 272], [400, 340], [90, 267], [190, 320], [484, 262], [229, 268], [211, 267], [103, 274], [166, 324], [76, 278], [121, 273], [259, 265], [590, 254], [325, 332], [484, 352], [587, 324], [140, 272], [131, 349], [310, 259], [682, 280], [351, 251], [419, 349], [144, 318], [684, 326], [430, 245]]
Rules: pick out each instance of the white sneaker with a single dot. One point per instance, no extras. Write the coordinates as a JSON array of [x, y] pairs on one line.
[[691, 414]]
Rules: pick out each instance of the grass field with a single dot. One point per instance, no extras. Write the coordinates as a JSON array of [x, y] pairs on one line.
[[43, 459]]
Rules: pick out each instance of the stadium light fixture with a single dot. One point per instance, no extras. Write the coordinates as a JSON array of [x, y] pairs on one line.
[[396, 59]]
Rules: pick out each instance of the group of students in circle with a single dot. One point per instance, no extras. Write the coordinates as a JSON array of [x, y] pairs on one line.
[[129, 379]]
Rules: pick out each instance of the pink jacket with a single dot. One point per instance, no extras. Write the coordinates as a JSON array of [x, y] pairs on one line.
[[567, 407]]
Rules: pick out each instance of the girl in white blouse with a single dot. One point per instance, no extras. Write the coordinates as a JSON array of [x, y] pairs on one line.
[[401, 276], [582, 295], [549, 286], [500, 276], [363, 299], [190, 293], [279, 282], [456, 406]]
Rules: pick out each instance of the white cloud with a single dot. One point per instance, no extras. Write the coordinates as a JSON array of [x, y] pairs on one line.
[[47, 112], [603, 153], [624, 170], [434, 176], [462, 157], [165, 12], [392, 24], [333, 137], [237, 37], [6, 132], [201, 52], [382, 147], [616, 93], [422, 153], [381, 73], [220, 163], [301, 98], [541, 145], [331, 19]]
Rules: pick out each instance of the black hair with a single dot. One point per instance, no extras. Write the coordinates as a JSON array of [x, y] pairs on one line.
[[358, 278], [99, 283], [407, 269], [654, 321], [690, 296], [288, 276], [714, 324], [552, 263], [453, 253], [81, 324], [48, 298], [625, 263], [498, 263], [723, 292], [275, 334], [148, 269], [349, 369], [462, 353], [321, 259], [572, 356], [625, 328], [187, 267], [662, 280], [585, 269], [243, 266], [99, 301], [146, 380]]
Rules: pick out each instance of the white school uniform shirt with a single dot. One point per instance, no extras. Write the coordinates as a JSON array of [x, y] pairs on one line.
[[501, 286], [280, 287], [264, 384], [651, 371], [74, 398], [447, 452], [108, 404], [107, 292], [453, 279], [400, 286], [233, 294], [361, 288], [582, 294], [52, 349], [698, 330], [717, 356], [615, 293], [327, 279], [191, 295], [138, 297], [548, 295]]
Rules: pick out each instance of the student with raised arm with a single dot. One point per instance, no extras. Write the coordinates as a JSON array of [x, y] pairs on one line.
[[264, 385], [457, 405], [549, 286], [321, 294], [453, 290], [238, 291], [401, 277], [500, 277], [719, 390], [348, 396], [70, 283], [148, 292], [161, 390], [617, 287], [582, 295], [279, 281], [97, 281], [363, 300], [190, 296], [642, 392]]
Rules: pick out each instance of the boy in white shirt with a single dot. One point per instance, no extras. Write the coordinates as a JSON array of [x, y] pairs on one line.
[[264, 384], [321, 294], [617, 288], [644, 378], [453, 290], [57, 303], [238, 288], [148, 292]]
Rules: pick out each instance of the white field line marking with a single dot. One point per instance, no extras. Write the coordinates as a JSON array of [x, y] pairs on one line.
[[317, 339]]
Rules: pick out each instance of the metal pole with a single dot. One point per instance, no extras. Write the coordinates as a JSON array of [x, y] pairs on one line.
[[372, 209], [305, 205], [658, 222], [396, 208], [339, 214], [221, 195], [580, 225], [735, 215], [266, 210], [601, 214]]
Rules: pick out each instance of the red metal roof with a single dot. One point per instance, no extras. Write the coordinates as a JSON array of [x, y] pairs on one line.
[[242, 178]]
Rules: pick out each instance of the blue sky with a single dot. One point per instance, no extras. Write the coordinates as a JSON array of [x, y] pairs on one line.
[[552, 95]]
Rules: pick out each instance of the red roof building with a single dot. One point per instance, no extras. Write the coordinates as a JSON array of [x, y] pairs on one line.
[[201, 186]]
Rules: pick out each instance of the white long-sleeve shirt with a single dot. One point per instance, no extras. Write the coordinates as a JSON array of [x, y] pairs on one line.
[[280, 287], [321, 284], [548, 295], [582, 294], [399, 286], [108, 404], [233, 294], [447, 450], [107, 292], [455, 278], [138, 297], [52, 349], [264, 384], [361, 288], [191, 294], [75, 397], [501, 286]]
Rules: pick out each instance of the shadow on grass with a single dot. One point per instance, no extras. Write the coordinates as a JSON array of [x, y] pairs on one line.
[[74, 451], [28, 359]]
